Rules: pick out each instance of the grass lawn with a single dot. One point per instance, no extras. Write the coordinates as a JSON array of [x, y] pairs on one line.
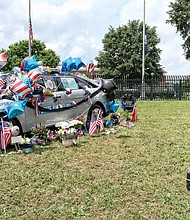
[[137, 173]]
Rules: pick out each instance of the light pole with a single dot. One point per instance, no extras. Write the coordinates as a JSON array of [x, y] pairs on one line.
[[29, 30]]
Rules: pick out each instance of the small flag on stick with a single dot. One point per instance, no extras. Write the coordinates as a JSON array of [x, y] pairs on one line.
[[99, 121], [93, 127], [96, 122], [5, 136]]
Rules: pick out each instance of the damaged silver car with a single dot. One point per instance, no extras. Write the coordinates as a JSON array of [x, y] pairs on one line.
[[61, 97]]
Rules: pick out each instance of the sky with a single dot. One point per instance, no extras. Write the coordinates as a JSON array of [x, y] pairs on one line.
[[76, 27]]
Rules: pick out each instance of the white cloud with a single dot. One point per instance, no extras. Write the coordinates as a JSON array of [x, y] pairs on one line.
[[77, 27]]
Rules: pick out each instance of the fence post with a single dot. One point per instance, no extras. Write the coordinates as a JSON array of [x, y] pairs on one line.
[[122, 85], [180, 89], [151, 89]]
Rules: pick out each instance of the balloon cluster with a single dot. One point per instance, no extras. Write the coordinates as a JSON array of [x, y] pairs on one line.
[[72, 63]]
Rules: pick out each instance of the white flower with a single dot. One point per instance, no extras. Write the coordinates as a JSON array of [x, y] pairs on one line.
[[27, 140], [75, 122], [72, 130], [63, 132], [60, 132], [62, 124], [22, 141]]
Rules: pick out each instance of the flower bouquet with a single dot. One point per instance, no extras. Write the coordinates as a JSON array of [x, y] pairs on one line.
[[40, 134], [69, 132]]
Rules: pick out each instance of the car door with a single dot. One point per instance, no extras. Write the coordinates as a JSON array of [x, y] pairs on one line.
[[73, 97], [46, 111]]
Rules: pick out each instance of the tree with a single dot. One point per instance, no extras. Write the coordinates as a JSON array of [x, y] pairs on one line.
[[179, 17], [18, 51], [122, 52]]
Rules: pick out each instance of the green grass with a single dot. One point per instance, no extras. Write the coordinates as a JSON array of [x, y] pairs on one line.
[[137, 173]]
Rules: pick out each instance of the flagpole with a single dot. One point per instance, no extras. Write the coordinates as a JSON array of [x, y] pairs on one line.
[[29, 41], [143, 55]]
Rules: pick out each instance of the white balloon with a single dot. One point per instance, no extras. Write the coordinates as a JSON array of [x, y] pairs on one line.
[[15, 130]]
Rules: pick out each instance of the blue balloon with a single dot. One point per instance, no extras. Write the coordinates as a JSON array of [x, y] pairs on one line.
[[108, 123], [114, 106], [30, 63], [68, 64], [15, 108], [78, 63], [72, 63], [64, 67]]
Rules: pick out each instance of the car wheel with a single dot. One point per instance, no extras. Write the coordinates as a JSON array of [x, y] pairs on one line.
[[95, 108]]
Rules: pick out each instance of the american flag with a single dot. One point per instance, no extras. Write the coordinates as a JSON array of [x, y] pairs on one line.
[[99, 121], [5, 136], [95, 123], [90, 67], [34, 75], [146, 42], [30, 32], [21, 88], [2, 83], [93, 127]]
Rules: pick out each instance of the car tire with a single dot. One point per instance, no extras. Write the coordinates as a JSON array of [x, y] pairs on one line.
[[95, 108]]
